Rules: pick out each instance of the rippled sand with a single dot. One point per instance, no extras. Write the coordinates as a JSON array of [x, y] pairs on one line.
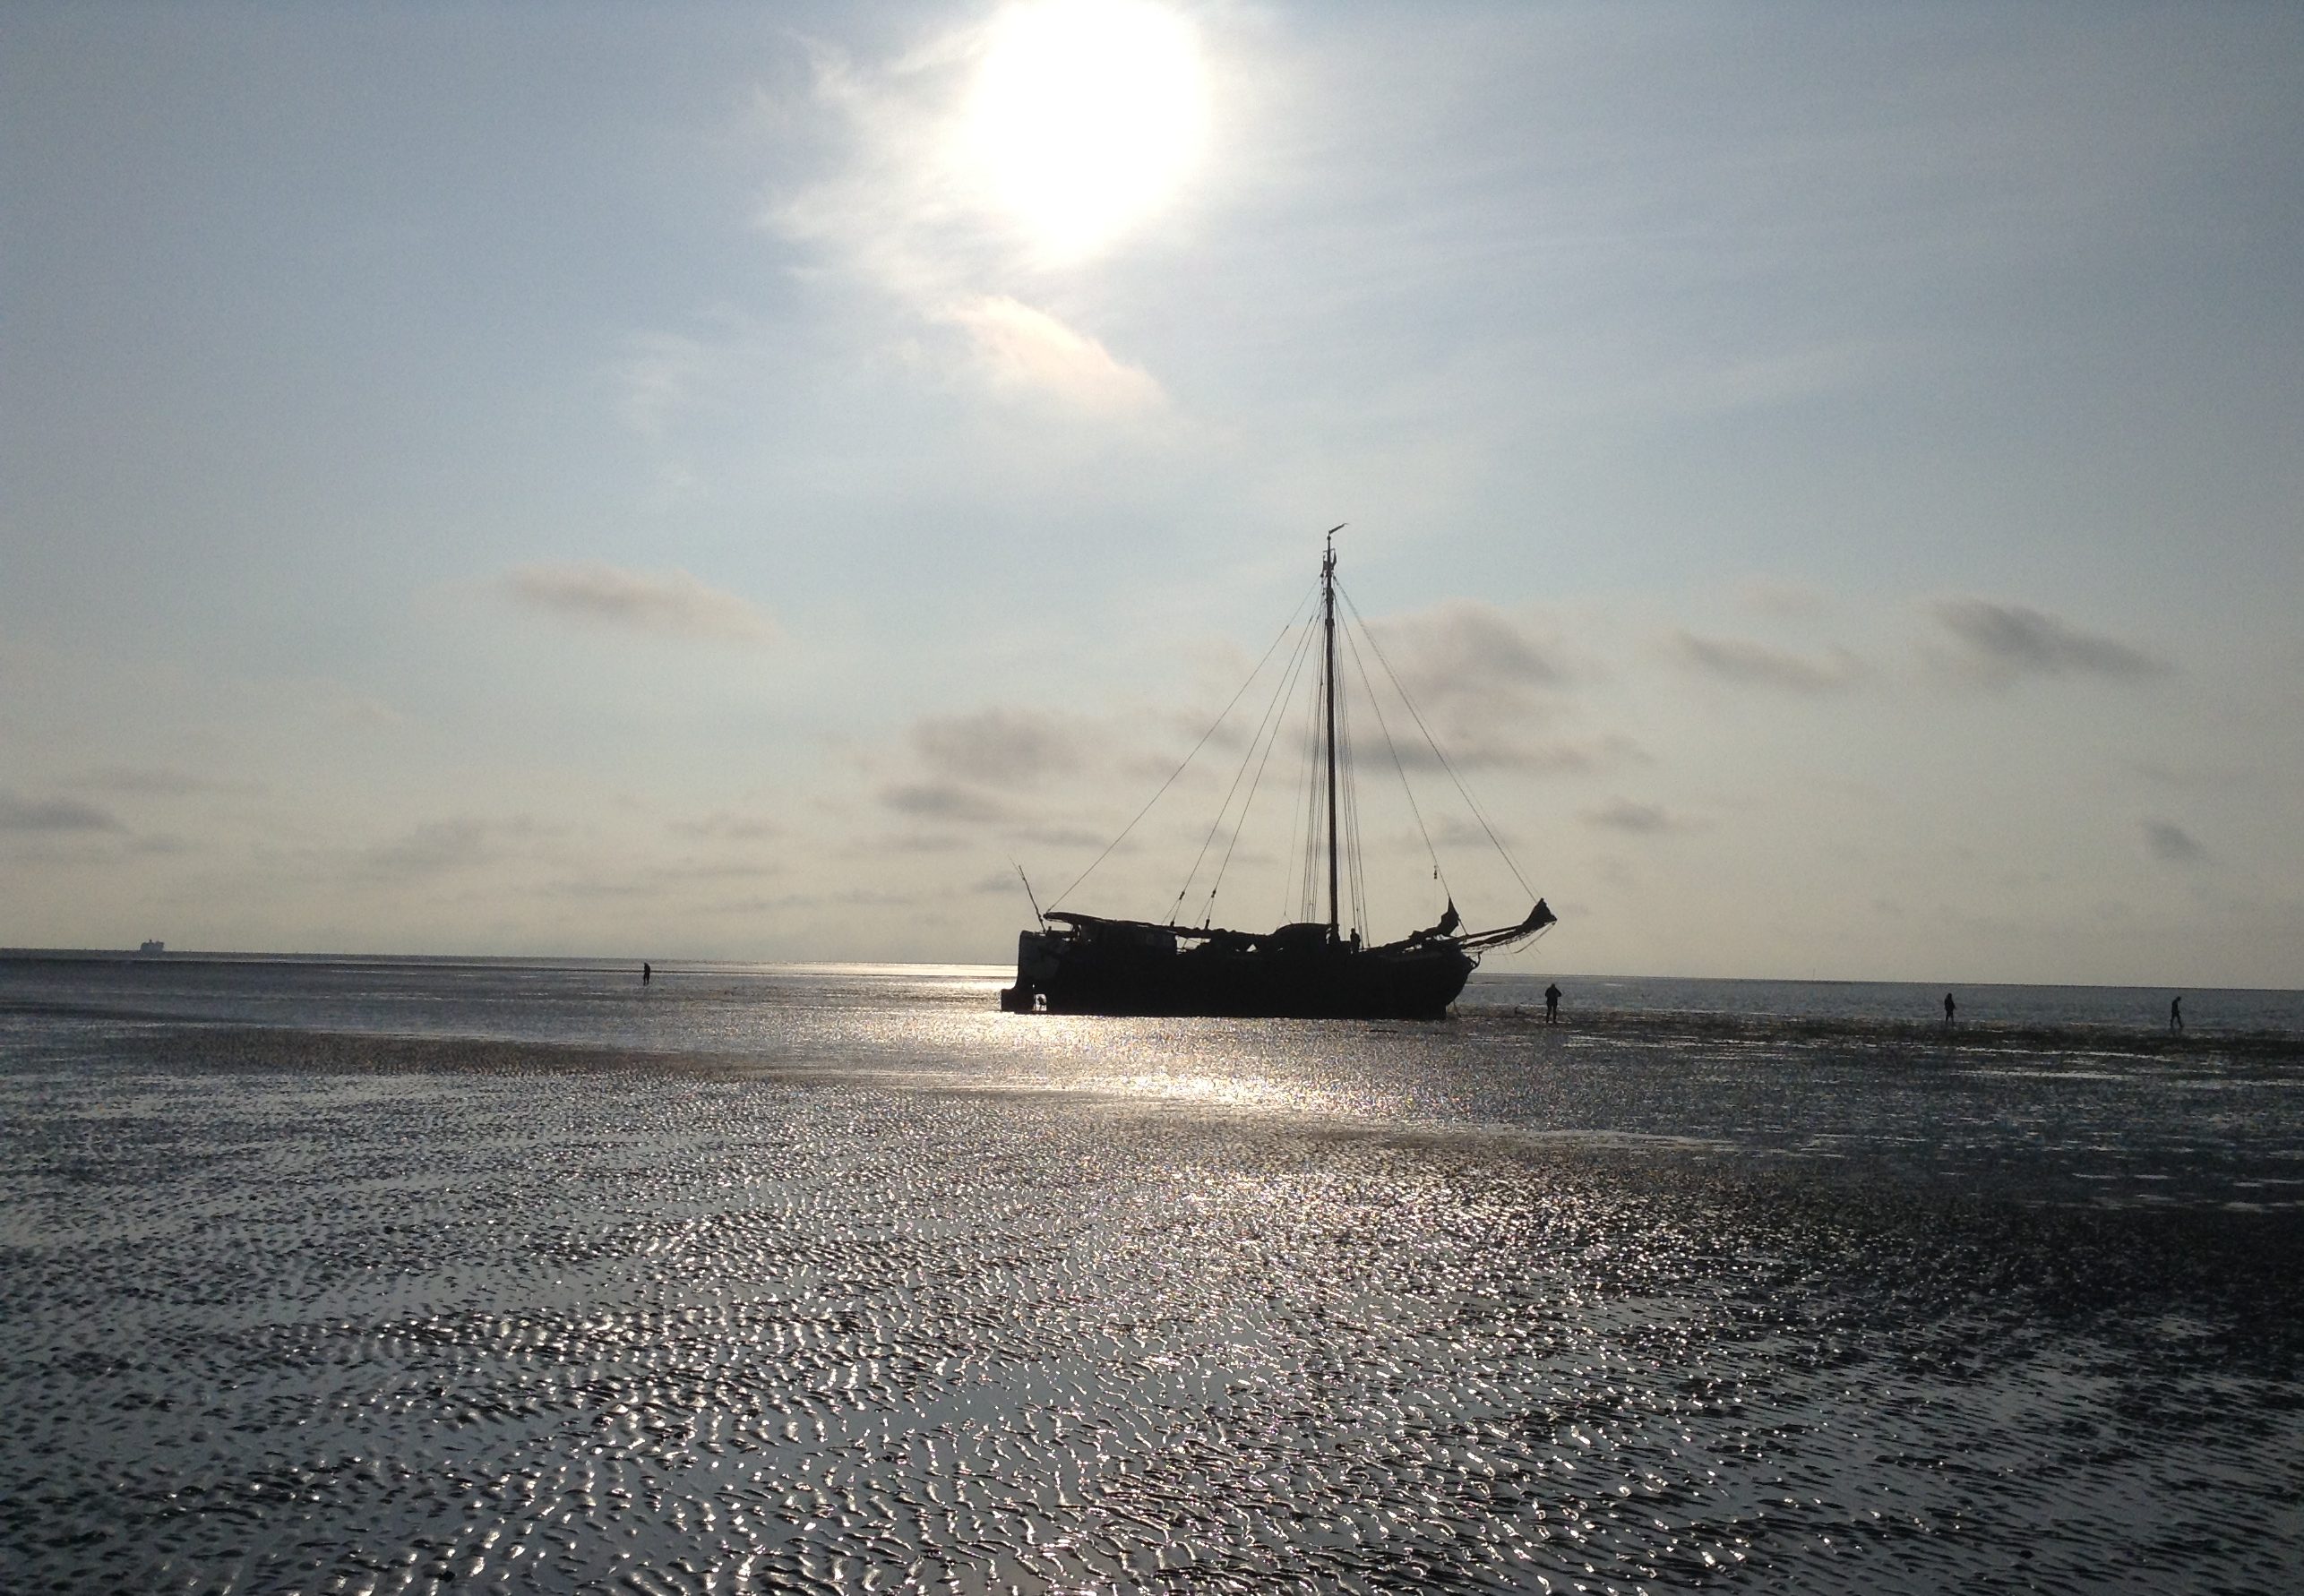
[[298, 1312]]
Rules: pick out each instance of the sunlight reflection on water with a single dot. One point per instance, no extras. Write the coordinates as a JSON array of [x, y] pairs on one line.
[[889, 1288]]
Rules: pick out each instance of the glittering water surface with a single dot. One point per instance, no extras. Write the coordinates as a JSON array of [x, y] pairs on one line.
[[380, 1277]]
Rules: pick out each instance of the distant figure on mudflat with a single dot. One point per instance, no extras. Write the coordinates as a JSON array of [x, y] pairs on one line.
[[1552, 1004], [1951, 1010], [2176, 1013], [647, 972]]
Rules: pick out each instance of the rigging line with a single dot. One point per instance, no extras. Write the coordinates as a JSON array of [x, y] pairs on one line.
[[1348, 906], [1359, 853], [1315, 811], [1309, 785], [1187, 759], [1241, 824], [1280, 692], [1271, 709], [1433, 743], [1398, 767], [1357, 862], [1287, 858], [1348, 827], [1308, 813]]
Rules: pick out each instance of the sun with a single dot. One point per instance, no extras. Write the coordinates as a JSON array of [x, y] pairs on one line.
[[1085, 115]]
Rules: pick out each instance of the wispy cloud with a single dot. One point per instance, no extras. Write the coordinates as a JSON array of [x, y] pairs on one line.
[[945, 801], [1482, 680], [367, 712], [661, 603], [1703, 381], [999, 746], [658, 374], [904, 206], [1454, 831], [1747, 663], [2165, 839], [1070, 836], [1439, 651], [896, 204], [726, 826], [1999, 644], [907, 841], [1020, 349], [54, 814], [432, 848], [154, 781], [1623, 814], [1781, 598]]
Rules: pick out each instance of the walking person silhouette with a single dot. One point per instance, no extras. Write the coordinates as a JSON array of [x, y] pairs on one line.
[[2176, 1012], [1552, 1004], [1950, 1010]]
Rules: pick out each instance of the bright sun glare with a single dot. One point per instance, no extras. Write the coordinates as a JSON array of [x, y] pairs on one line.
[[1085, 114]]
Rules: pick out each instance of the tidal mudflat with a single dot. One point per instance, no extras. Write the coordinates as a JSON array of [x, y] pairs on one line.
[[890, 1293]]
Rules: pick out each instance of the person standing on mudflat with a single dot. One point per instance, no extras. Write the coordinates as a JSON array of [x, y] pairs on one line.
[[1552, 1004], [1950, 1010], [2176, 1013]]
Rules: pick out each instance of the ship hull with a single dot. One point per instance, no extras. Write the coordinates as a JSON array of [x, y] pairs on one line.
[[1062, 973]]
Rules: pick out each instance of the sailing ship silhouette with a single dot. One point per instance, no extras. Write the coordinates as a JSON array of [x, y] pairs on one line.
[[1078, 963]]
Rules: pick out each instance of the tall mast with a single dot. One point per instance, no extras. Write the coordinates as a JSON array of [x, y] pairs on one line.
[[1327, 693]]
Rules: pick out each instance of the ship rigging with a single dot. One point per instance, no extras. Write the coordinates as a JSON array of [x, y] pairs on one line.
[[1310, 968]]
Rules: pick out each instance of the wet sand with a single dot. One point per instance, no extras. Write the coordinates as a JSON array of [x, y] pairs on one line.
[[299, 1311]]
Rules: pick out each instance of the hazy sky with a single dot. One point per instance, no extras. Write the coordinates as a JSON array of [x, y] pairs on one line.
[[731, 481]]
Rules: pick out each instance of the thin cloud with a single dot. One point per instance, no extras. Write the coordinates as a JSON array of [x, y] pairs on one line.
[[1454, 831], [145, 781], [589, 889], [1481, 680], [659, 603], [1019, 348], [1781, 599], [1745, 664], [438, 848], [999, 746], [909, 842], [1535, 756], [726, 825], [1462, 642], [900, 206], [55, 814], [2203, 777], [659, 374], [432, 848], [2165, 839], [945, 801], [711, 869], [1071, 836], [366, 711], [907, 209], [1642, 820], [1999, 644]]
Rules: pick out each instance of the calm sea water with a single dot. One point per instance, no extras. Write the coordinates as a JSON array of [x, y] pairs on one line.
[[389, 1276]]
